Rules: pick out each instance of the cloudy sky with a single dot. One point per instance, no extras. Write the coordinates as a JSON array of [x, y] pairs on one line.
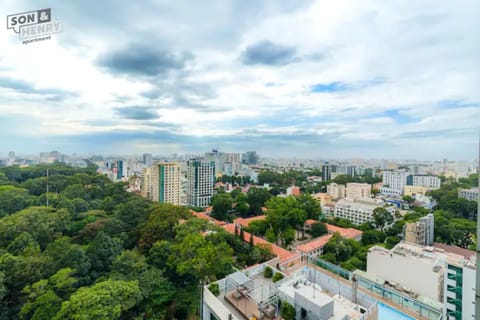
[[330, 79]]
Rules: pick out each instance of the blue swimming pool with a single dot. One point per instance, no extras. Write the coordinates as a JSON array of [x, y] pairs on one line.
[[388, 313]]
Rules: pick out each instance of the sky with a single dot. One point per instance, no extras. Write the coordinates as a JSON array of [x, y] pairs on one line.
[[291, 78]]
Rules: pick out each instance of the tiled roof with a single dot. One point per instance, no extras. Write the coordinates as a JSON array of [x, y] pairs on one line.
[[309, 222], [314, 244], [349, 233], [281, 253], [246, 221], [204, 216]]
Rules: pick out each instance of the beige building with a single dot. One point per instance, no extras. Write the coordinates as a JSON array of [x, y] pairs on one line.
[[162, 183], [323, 198], [358, 211], [420, 232], [337, 191], [411, 190], [147, 183], [358, 191]]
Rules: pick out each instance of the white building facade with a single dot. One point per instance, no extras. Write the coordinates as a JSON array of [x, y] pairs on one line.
[[200, 182], [394, 182]]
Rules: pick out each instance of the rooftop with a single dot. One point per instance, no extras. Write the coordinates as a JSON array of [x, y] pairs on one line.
[[204, 216], [246, 221], [317, 243]]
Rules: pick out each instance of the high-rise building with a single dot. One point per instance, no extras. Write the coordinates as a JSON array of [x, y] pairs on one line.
[[147, 183], [250, 157], [119, 169], [166, 182], [420, 232], [427, 181], [148, 159], [201, 180], [162, 182], [348, 170], [394, 182], [327, 171], [358, 190]]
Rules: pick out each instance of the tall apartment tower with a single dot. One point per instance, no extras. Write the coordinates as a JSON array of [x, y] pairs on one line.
[[120, 169], [394, 182], [147, 183], [166, 182], [200, 182], [147, 159]]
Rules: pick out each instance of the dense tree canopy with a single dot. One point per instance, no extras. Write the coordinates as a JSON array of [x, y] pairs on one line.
[[99, 252]]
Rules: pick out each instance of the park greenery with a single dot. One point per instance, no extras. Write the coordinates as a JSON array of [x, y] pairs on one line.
[[99, 252]]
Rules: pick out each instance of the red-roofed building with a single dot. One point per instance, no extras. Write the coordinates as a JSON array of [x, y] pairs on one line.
[[246, 221], [314, 248], [349, 233], [282, 254], [204, 216], [293, 191]]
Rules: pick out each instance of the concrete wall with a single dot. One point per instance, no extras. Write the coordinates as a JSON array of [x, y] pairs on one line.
[[400, 268]]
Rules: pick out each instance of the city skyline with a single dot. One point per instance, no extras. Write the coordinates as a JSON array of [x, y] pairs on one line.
[[310, 79]]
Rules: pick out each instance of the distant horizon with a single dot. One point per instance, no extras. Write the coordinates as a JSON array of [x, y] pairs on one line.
[[4, 155]]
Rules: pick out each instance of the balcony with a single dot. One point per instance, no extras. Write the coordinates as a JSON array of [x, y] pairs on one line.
[[456, 289]]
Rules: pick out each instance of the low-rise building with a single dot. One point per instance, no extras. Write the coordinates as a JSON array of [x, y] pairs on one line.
[[469, 194], [414, 190], [358, 191], [358, 211], [336, 190], [323, 198]]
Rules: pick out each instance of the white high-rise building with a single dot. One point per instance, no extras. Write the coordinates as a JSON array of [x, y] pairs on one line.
[[147, 159], [201, 180], [393, 182], [427, 181]]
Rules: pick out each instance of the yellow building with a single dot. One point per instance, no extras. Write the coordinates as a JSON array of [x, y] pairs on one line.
[[411, 190]]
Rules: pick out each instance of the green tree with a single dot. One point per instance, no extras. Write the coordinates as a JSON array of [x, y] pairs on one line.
[[319, 229], [287, 311], [222, 206], [105, 300], [160, 224], [382, 217], [102, 251], [373, 236], [256, 198]]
